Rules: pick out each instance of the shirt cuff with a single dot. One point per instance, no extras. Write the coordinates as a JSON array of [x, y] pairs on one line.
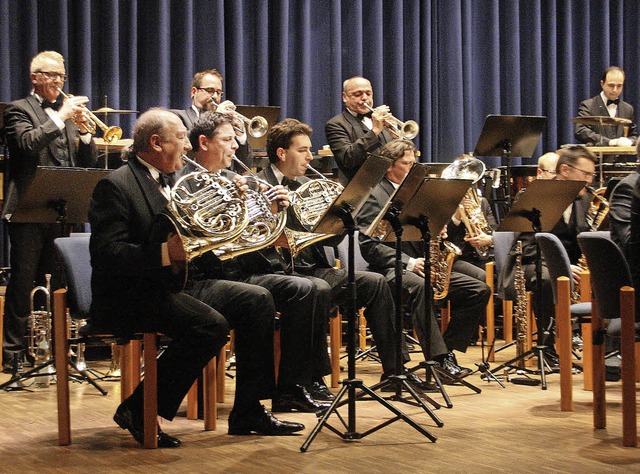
[[86, 138], [164, 249], [411, 264]]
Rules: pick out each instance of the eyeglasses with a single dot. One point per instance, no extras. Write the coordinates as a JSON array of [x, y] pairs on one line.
[[548, 171], [211, 91], [586, 174], [54, 76]]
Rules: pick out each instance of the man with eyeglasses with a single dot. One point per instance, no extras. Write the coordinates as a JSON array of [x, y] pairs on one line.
[[547, 166], [607, 104], [575, 163], [356, 131], [206, 95], [39, 132]]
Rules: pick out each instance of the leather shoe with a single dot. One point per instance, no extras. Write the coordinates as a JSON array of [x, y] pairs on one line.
[[128, 420], [297, 398], [261, 422], [450, 365], [319, 391], [413, 379]]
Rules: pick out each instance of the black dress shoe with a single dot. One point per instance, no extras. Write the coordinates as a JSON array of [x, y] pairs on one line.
[[297, 398], [319, 391], [414, 380], [128, 420], [450, 365], [262, 422]]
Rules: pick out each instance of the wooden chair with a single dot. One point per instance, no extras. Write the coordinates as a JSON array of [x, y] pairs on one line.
[[76, 300], [613, 298]]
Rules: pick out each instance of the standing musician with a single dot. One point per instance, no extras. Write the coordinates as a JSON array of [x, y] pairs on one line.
[[131, 292], [574, 163], [296, 298], [206, 96], [289, 151], [40, 132], [356, 131], [468, 296], [608, 104]]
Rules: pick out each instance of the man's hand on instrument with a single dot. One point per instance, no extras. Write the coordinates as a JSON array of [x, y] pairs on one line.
[[74, 106], [418, 268], [576, 272], [241, 184], [480, 240], [281, 197], [177, 255], [378, 117], [622, 141]]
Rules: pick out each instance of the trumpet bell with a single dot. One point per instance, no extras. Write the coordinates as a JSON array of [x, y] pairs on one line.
[[112, 134], [410, 130], [257, 126]]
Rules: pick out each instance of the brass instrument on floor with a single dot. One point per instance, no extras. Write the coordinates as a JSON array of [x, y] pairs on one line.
[[397, 128], [110, 134], [442, 255], [598, 209], [309, 202], [521, 305], [263, 226], [40, 320], [471, 214]]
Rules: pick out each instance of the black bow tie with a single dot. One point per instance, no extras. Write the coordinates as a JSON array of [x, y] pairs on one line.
[[290, 183], [361, 116], [613, 101], [53, 105], [163, 179]]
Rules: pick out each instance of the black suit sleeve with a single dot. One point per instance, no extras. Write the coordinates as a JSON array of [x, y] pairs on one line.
[[620, 212]]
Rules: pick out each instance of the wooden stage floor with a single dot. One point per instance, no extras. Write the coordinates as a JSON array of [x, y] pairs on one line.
[[516, 429]]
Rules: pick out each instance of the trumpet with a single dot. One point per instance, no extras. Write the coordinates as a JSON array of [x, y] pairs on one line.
[[256, 127], [110, 134], [399, 129]]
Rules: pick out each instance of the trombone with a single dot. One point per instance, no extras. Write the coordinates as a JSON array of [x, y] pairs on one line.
[[399, 129], [111, 134], [256, 127]]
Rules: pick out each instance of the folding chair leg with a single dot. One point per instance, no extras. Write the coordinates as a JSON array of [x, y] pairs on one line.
[[62, 368]]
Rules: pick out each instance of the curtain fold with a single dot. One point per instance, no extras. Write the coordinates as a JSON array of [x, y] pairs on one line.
[[445, 63]]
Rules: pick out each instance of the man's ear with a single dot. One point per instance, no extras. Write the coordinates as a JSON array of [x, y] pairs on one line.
[[155, 142], [281, 154], [203, 143]]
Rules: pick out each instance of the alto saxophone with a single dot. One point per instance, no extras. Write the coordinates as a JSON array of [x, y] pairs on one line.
[[521, 305], [442, 255]]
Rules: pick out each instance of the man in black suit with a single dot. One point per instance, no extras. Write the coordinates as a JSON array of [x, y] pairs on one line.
[[39, 132], [574, 163], [131, 290], [620, 210], [468, 296], [356, 131], [295, 297], [206, 96], [608, 104], [289, 151]]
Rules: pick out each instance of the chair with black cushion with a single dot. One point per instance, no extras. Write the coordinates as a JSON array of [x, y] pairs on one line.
[[76, 299], [609, 274]]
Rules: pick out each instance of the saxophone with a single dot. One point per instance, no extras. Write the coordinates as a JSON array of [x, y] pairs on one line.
[[442, 255], [521, 305]]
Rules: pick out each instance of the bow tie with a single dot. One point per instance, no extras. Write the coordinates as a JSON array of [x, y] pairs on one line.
[[613, 101], [361, 116], [163, 179], [53, 105], [290, 183]]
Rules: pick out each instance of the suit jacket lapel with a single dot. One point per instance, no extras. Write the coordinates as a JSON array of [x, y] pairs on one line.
[[149, 187], [191, 114]]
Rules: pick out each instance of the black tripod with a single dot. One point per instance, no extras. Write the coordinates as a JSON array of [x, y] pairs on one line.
[[351, 384]]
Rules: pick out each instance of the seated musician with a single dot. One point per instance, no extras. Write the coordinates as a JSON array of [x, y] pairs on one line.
[[295, 297], [620, 209], [289, 151], [206, 96], [130, 276], [468, 299], [608, 104], [574, 163]]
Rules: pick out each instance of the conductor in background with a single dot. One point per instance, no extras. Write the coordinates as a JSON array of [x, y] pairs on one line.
[[206, 96], [608, 104], [39, 132], [356, 131]]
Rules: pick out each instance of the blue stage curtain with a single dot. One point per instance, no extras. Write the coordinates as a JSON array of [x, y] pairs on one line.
[[445, 63]]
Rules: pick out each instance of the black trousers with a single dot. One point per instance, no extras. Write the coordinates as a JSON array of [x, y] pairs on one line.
[[543, 305], [197, 333], [374, 294], [250, 311], [32, 256], [295, 298]]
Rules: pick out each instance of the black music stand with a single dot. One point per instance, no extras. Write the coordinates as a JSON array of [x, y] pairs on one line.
[[338, 218], [392, 212], [539, 208], [427, 213], [507, 136], [54, 195]]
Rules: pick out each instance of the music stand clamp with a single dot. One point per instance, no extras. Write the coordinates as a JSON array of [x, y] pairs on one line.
[[507, 136], [540, 207], [340, 217]]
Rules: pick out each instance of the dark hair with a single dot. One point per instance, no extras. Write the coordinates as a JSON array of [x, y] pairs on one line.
[[281, 134], [151, 122], [608, 70], [395, 149], [570, 156], [207, 124], [198, 76]]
